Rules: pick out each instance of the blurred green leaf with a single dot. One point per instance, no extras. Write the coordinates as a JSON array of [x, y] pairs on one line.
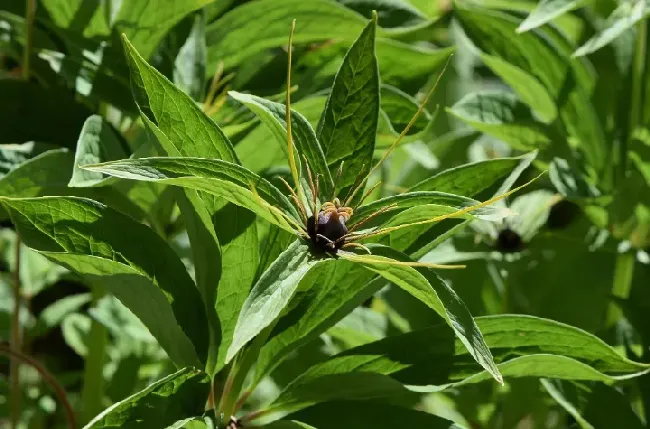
[[128, 258], [161, 404], [348, 125], [623, 18], [607, 406], [567, 79], [272, 293], [189, 66], [146, 22], [89, 18], [98, 142], [48, 172], [548, 10], [503, 116], [391, 13], [231, 39]]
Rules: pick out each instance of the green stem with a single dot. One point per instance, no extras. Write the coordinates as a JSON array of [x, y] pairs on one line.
[[638, 71], [93, 387], [16, 342], [623, 274]]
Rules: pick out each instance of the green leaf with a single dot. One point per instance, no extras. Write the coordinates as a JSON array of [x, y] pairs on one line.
[[401, 108], [189, 66], [523, 346], [391, 13], [623, 18], [369, 414], [146, 22], [414, 199], [526, 86], [570, 182], [223, 179], [188, 129], [231, 39], [546, 11], [272, 293], [548, 59], [351, 386], [468, 179], [58, 115], [502, 115], [48, 172], [13, 155], [328, 292], [273, 116], [79, 16], [131, 260], [161, 404], [348, 125], [235, 227], [434, 292], [97, 142]]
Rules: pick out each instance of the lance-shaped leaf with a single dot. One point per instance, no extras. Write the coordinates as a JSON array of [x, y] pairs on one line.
[[98, 142], [161, 404], [348, 125], [548, 10], [434, 292], [272, 293], [431, 359], [273, 116], [408, 200], [622, 19], [502, 115], [329, 292], [468, 179], [128, 258], [189, 130], [224, 179]]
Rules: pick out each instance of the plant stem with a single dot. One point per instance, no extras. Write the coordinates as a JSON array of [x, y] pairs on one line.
[[16, 341], [638, 71], [48, 378], [30, 10], [623, 274], [93, 388]]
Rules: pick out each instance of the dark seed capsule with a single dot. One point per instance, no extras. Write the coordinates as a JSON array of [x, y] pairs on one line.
[[331, 227], [509, 241]]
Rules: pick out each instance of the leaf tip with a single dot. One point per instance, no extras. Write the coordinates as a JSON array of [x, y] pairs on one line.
[[374, 17]]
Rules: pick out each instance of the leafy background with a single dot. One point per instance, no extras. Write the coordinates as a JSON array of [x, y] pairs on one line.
[[117, 277]]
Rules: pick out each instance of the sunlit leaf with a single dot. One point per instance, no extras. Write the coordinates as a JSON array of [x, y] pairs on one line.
[[348, 124], [272, 293], [127, 257]]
